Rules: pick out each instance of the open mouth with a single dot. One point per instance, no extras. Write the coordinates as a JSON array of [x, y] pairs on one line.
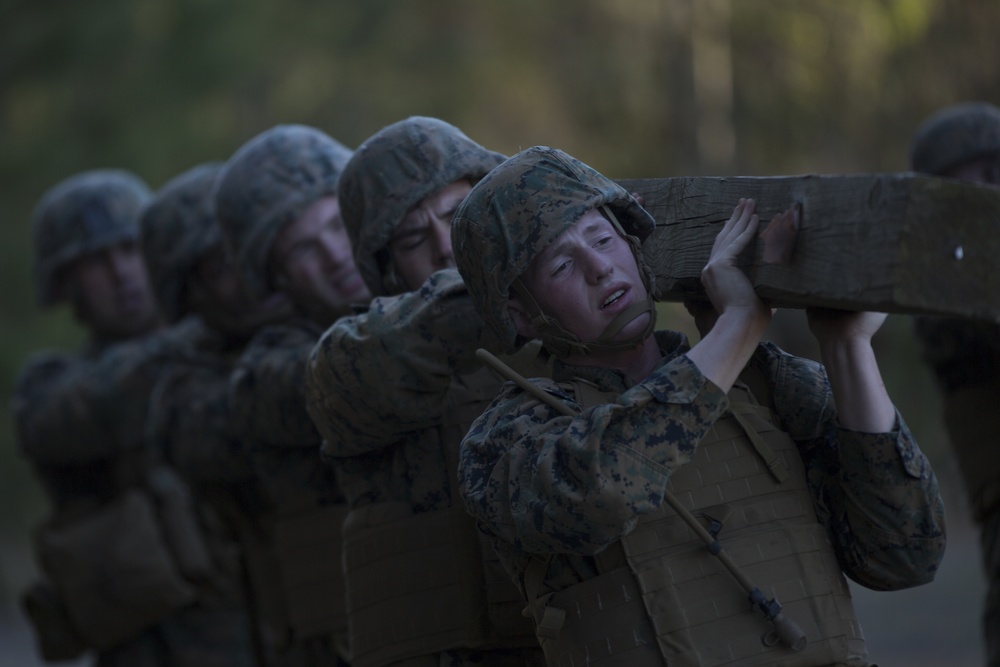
[[614, 296]]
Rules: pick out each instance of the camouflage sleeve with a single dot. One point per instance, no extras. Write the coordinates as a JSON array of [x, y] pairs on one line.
[[876, 492], [551, 483], [71, 411], [55, 423], [190, 423], [267, 389], [379, 375]]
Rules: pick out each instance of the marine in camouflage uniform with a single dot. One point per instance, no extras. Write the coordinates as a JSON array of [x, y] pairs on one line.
[[85, 238], [392, 390], [575, 483], [963, 141], [189, 419], [276, 201]]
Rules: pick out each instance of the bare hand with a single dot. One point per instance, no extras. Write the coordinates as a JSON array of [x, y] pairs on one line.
[[726, 285], [780, 234], [830, 325]]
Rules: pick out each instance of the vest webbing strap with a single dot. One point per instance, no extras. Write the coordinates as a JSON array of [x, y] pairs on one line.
[[404, 591], [422, 583], [775, 464], [549, 620], [783, 630], [308, 550]]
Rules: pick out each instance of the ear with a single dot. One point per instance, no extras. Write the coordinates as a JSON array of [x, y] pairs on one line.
[[522, 320]]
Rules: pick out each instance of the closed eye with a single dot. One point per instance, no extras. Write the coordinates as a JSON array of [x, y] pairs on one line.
[[560, 268], [605, 241], [411, 239]]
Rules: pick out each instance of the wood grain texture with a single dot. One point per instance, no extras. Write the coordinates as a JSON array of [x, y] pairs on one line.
[[901, 243]]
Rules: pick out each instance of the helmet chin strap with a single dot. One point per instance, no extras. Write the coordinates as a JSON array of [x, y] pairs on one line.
[[562, 343]]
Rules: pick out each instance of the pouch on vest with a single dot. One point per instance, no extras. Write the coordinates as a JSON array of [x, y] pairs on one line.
[[308, 554], [605, 625], [113, 569], [405, 590], [181, 528], [747, 482], [55, 635]]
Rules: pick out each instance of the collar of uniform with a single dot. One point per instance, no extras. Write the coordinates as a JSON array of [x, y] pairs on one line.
[[672, 344]]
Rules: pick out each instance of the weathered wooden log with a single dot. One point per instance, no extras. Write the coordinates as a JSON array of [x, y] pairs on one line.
[[902, 243]]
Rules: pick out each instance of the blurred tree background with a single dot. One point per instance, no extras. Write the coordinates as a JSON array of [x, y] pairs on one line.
[[633, 87]]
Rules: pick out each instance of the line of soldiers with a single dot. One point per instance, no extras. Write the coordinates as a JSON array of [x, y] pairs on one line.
[[264, 455]]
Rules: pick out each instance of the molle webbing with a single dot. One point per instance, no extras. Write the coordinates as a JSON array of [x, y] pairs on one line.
[[467, 397], [414, 584], [308, 552], [695, 609], [423, 583]]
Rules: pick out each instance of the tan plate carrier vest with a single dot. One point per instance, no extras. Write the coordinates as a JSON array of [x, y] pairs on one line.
[[419, 584], [662, 598]]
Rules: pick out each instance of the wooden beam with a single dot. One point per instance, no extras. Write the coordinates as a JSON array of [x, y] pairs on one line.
[[901, 243]]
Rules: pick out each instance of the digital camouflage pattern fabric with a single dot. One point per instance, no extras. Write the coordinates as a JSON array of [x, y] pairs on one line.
[[391, 172], [296, 566], [564, 490], [84, 213], [88, 428], [178, 226], [385, 442], [267, 393], [396, 450], [497, 233], [567, 492], [546, 483], [269, 181]]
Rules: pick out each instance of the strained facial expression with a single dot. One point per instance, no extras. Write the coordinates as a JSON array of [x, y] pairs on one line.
[[312, 261], [421, 243], [584, 279]]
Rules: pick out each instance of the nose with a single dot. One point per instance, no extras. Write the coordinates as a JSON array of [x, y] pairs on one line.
[[441, 240], [335, 252], [598, 266], [122, 262]]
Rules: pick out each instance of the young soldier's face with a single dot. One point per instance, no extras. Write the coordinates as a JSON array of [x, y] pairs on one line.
[[312, 259], [421, 244], [111, 293], [583, 279]]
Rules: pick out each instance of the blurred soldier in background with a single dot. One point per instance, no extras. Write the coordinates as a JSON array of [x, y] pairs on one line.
[[392, 391], [609, 485], [189, 420], [276, 201], [112, 581], [963, 141]]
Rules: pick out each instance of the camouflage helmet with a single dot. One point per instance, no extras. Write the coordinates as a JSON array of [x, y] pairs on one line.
[[514, 213], [85, 213], [954, 135], [270, 181], [178, 227], [391, 172]]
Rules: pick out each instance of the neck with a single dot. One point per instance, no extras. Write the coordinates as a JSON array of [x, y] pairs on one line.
[[635, 363]]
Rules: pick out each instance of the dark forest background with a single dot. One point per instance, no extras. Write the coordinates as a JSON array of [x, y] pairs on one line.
[[636, 88]]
